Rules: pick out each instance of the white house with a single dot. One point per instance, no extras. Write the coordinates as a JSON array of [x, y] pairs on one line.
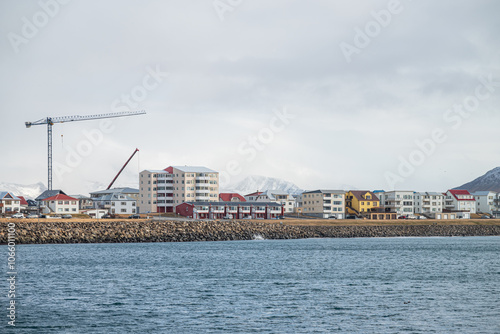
[[485, 201], [253, 196], [278, 196], [460, 200], [399, 201], [428, 203], [116, 204], [9, 203], [62, 204]]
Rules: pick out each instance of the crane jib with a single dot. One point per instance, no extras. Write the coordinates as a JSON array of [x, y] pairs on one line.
[[50, 121]]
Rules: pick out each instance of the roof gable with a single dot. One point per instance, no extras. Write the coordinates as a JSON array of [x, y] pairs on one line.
[[60, 197]]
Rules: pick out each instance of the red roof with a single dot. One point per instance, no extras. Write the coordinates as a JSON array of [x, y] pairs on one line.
[[60, 197], [23, 200], [227, 197], [456, 192]]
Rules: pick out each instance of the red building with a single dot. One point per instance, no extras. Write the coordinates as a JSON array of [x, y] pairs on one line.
[[230, 210]]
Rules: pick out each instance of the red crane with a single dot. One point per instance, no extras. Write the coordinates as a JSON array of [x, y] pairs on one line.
[[136, 150]]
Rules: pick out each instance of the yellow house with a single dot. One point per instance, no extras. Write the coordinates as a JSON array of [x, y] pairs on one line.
[[360, 201]]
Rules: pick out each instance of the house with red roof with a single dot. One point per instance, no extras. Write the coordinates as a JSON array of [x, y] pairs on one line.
[[231, 197], [61, 204], [460, 200]]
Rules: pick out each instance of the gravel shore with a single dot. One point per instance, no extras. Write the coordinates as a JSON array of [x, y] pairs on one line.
[[62, 232]]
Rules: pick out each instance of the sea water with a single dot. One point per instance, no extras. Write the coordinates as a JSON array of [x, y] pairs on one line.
[[362, 285]]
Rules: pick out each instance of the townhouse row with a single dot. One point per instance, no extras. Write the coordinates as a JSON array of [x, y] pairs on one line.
[[454, 204]]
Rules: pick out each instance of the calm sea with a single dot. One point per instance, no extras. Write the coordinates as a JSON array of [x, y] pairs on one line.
[[393, 285]]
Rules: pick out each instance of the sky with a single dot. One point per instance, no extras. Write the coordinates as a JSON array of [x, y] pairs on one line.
[[324, 94]]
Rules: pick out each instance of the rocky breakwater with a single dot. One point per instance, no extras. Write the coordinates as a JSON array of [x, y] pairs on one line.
[[27, 232]]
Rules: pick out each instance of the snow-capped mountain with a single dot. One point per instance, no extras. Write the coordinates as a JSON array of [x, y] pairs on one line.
[[489, 181], [29, 191], [255, 183]]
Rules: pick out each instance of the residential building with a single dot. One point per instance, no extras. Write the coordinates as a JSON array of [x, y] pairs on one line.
[[459, 200], [323, 203], [398, 201], [117, 204], [428, 203], [61, 204], [496, 211], [253, 196], [360, 201], [485, 201], [278, 196], [230, 210], [84, 202], [130, 192], [163, 190], [231, 197], [9, 203], [47, 194]]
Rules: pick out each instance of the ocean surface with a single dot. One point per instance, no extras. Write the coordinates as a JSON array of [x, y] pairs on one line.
[[365, 285]]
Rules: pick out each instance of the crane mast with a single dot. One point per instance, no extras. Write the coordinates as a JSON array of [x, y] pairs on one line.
[[50, 121]]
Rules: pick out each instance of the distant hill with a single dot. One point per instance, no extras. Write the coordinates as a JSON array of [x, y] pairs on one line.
[[29, 191], [253, 183], [489, 181]]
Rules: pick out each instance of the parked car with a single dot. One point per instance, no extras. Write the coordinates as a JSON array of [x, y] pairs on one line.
[[402, 217], [229, 216], [54, 217], [134, 217], [32, 215], [67, 216], [485, 217], [422, 217], [17, 215], [351, 217], [332, 217]]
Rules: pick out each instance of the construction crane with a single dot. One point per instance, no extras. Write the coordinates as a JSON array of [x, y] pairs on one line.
[[136, 150], [50, 121]]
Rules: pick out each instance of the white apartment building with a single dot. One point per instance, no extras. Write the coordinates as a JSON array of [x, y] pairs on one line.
[[130, 192], [323, 203], [118, 204], [399, 201], [278, 196], [428, 203], [163, 190], [485, 201], [460, 200]]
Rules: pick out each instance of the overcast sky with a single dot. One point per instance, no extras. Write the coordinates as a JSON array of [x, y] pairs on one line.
[[321, 93]]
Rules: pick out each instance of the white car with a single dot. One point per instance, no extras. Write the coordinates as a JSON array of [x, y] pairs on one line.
[[17, 215]]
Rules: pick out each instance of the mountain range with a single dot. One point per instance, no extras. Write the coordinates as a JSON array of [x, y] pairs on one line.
[[29, 191], [488, 182], [255, 183]]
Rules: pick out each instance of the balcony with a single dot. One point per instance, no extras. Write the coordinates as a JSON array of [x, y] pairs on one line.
[[202, 178]]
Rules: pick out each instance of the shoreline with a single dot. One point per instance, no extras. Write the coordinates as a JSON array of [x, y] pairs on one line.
[[134, 231]]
